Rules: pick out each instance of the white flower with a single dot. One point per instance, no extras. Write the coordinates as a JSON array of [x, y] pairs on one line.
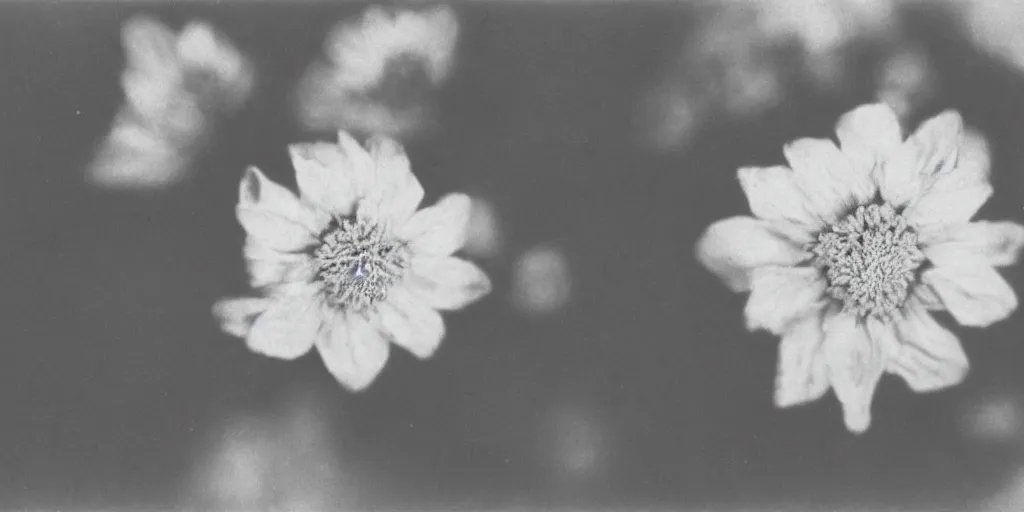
[[198, 66], [850, 247], [379, 72], [350, 264], [364, 49], [174, 86]]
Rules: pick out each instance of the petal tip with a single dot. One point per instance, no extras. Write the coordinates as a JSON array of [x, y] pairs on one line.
[[857, 420], [250, 186]]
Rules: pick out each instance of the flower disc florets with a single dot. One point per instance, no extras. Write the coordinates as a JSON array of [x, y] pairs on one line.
[[870, 259], [357, 263]]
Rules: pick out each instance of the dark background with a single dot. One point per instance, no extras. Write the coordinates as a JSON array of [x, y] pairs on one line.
[[113, 374]]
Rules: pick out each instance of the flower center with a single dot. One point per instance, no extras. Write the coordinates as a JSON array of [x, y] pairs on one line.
[[869, 259], [357, 263]]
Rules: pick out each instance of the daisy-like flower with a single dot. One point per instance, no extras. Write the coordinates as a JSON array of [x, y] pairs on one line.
[[349, 265], [175, 86], [851, 247], [380, 72]]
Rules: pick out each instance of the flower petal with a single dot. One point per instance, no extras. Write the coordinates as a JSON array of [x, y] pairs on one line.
[[780, 295], [236, 316], [999, 243], [930, 357], [274, 216], [447, 282], [774, 196], [868, 135], [855, 364], [930, 151], [439, 230], [973, 292], [802, 375], [332, 176], [827, 179], [289, 327], [955, 195], [396, 193], [269, 267], [408, 322], [925, 296], [732, 248], [353, 351]]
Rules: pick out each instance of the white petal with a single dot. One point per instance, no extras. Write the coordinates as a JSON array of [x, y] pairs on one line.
[[780, 295], [955, 195], [353, 352], [999, 243], [774, 196], [930, 357], [802, 375], [447, 282], [289, 327], [408, 322], [973, 292], [855, 365], [925, 296], [932, 150], [439, 230], [270, 267], [274, 216], [943, 136], [732, 248], [827, 178], [274, 231], [149, 45], [868, 135], [396, 193], [236, 316], [332, 176]]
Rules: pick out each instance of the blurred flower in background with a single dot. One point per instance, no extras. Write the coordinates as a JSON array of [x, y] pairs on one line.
[[351, 265], [484, 237], [176, 87], [380, 73], [850, 290], [541, 281], [1010, 498], [995, 26], [286, 459], [238, 466], [906, 80], [748, 56], [996, 417], [574, 445], [824, 31]]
